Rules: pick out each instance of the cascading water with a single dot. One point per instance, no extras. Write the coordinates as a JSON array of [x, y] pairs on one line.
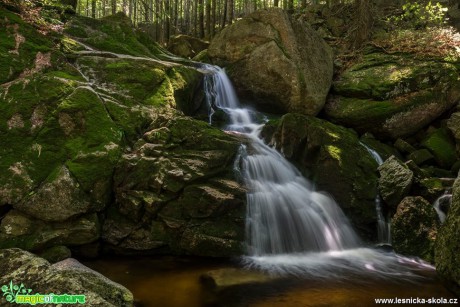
[[284, 214], [383, 227], [442, 204], [290, 228]]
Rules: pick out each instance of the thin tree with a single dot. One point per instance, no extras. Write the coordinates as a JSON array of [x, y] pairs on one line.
[[208, 18], [114, 7], [213, 17], [230, 11], [201, 18]]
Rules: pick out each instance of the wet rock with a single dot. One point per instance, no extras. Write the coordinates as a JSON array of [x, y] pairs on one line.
[[65, 277], [395, 181], [222, 279], [300, 71], [414, 228]]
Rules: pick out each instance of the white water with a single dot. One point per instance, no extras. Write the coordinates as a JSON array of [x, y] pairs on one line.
[[290, 228], [383, 227], [441, 204]]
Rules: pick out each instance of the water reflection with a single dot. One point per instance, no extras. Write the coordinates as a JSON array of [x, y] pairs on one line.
[[175, 282]]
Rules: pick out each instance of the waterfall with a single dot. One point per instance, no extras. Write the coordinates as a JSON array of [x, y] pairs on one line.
[[291, 228], [442, 204], [383, 227], [284, 214]]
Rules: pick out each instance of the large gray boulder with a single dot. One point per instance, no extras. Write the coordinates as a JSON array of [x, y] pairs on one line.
[[276, 60], [28, 271]]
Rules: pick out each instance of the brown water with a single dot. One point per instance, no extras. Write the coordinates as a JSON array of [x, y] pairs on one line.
[[175, 282]]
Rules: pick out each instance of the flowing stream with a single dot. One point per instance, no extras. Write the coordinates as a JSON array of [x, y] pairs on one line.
[[292, 230], [383, 226], [290, 227], [442, 204]]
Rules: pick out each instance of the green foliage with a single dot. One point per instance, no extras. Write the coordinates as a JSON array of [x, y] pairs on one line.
[[418, 16]]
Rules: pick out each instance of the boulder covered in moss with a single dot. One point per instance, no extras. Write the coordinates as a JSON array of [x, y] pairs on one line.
[[71, 109], [414, 228], [442, 145], [186, 46], [334, 159], [447, 258], [453, 124], [176, 192], [393, 96], [27, 271], [30, 233], [275, 60], [395, 181]]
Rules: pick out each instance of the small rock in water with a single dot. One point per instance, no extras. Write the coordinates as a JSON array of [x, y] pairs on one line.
[[221, 279]]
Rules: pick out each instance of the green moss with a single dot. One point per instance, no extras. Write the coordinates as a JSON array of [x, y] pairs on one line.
[[93, 138], [113, 33], [14, 62], [441, 144]]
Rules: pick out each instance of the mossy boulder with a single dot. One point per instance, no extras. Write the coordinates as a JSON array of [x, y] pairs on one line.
[[114, 33], [299, 73], [176, 192], [453, 124], [186, 46], [334, 159], [414, 228], [69, 106], [442, 145], [393, 96], [395, 181], [20, 43], [29, 233], [65, 277], [447, 258], [132, 98]]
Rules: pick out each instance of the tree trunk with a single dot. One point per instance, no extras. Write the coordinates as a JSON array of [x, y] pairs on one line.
[[291, 6], [213, 17], [208, 18], [230, 12], [114, 7], [224, 14], [201, 18], [146, 10], [104, 4], [363, 23], [167, 20]]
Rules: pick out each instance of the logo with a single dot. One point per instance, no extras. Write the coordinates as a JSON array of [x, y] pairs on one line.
[[22, 295]]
